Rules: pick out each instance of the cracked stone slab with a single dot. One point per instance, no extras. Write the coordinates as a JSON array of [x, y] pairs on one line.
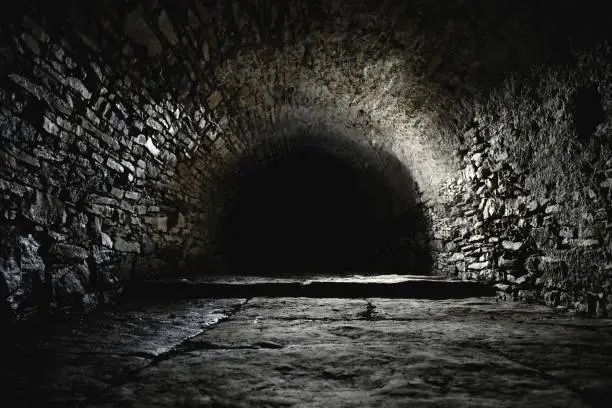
[[71, 361], [346, 375], [410, 353]]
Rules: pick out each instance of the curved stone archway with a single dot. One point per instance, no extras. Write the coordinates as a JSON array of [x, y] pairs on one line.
[[317, 202]]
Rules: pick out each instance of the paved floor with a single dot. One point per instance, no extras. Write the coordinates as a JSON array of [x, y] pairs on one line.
[[305, 352]]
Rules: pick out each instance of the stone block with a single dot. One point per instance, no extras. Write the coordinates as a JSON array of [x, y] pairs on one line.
[[67, 252], [152, 148], [112, 164], [159, 223], [476, 159], [532, 206], [128, 165], [90, 302], [78, 87], [512, 246], [492, 208], [607, 183], [528, 296], [506, 263], [101, 255], [132, 195], [44, 209], [10, 274], [69, 283], [152, 123], [106, 240], [552, 209], [457, 256], [476, 238], [166, 27], [122, 245], [478, 266], [585, 243], [503, 287], [31, 262], [524, 280], [568, 232], [117, 192], [214, 99]]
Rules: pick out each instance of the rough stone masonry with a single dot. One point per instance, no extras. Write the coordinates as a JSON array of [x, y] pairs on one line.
[[119, 120]]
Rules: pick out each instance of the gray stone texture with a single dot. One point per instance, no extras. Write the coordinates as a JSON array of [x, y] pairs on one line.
[[155, 101], [473, 352]]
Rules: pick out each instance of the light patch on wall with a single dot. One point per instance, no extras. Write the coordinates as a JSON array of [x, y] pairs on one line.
[[396, 122]]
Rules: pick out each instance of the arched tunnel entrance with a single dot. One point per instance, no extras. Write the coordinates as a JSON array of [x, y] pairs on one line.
[[186, 169], [119, 122], [314, 204]]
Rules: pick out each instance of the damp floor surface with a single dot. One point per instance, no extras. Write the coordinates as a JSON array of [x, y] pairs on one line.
[[306, 352]]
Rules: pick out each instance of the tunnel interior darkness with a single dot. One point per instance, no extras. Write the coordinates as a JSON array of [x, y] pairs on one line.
[[312, 205]]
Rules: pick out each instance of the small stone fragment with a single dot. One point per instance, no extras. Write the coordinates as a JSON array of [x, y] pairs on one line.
[[151, 147], [62, 251], [126, 246], [165, 26], [512, 246], [478, 266], [214, 99], [112, 164]]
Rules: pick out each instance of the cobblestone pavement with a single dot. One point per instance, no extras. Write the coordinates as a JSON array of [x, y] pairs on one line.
[[303, 352]]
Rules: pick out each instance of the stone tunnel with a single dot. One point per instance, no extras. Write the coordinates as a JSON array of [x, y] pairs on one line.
[[462, 139]]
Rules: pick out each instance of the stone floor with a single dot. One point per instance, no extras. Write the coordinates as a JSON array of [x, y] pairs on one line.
[[306, 352]]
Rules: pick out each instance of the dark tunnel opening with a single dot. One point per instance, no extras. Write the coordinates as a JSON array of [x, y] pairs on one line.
[[319, 207]]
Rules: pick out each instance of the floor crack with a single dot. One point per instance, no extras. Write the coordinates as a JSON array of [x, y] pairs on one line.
[[588, 399], [166, 355]]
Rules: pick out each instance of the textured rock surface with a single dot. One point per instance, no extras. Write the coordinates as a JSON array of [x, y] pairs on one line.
[[316, 352], [63, 364], [541, 243], [120, 122]]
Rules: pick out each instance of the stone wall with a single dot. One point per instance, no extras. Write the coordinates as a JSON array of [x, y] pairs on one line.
[[97, 183], [119, 119], [531, 209]]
